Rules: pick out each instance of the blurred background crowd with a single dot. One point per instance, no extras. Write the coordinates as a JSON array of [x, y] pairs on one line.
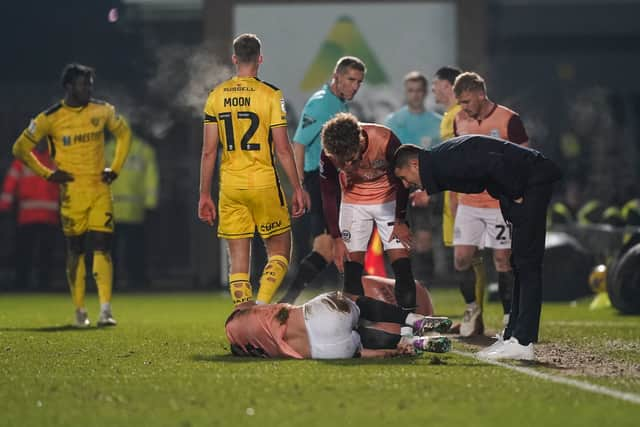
[[567, 67]]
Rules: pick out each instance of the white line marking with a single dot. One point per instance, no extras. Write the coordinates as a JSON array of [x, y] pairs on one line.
[[600, 324], [598, 389]]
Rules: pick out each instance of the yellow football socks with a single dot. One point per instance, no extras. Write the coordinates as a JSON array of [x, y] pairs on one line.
[[271, 278], [103, 275], [240, 288], [481, 279], [76, 273]]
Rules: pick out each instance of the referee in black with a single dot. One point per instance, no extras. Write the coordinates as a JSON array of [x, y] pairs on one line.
[[521, 179]]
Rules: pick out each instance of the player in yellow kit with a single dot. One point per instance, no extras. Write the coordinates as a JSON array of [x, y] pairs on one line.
[[247, 118], [75, 130]]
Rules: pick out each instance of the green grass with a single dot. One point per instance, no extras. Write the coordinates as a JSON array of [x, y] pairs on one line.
[[167, 364]]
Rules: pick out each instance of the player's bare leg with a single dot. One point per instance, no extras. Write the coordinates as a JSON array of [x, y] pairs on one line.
[[239, 284], [278, 253]]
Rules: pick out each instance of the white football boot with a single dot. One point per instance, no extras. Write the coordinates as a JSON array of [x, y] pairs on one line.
[[472, 321], [511, 349]]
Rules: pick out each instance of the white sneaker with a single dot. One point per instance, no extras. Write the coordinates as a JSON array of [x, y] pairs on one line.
[[511, 349], [496, 345], [82, 319], [472, 321], [106, 319]]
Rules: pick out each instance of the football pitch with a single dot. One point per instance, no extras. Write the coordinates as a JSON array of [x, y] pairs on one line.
[[167, 363]]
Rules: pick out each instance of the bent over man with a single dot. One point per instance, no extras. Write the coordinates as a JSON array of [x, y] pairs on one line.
[[521, 179], [356, 159]]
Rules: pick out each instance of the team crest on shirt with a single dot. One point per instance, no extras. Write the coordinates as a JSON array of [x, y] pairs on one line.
[[346, 235], [494, 133], [95, 121]]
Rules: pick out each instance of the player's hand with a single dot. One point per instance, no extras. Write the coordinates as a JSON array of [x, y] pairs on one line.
[[108, 175], [419, 198], [307, 200], [402, 233], [405, 348], [206, 209], [60, 176], [299, 203], [340, 253]]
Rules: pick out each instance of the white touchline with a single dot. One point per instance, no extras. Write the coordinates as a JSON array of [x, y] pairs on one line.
[[594, 388]]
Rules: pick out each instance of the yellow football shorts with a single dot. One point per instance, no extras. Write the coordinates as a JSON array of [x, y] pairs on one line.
[[241, 211], [86, 207]]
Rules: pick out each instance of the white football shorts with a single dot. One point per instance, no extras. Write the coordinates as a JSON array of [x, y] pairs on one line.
[[331, 326], [481, 227], [356, 225]]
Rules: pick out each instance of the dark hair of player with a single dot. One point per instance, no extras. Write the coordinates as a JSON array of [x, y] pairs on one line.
[[74, 70], [448, 73], [469, 82], [403, 154], [341, 136], [416, 76], [246, 47], [347, 62]]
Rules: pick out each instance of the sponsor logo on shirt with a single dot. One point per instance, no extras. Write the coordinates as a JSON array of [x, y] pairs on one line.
[[494, 133], [239, 89], [66, 140], [283, 106]]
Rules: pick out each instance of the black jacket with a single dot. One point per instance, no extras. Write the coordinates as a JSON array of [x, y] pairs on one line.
[[474, 163]]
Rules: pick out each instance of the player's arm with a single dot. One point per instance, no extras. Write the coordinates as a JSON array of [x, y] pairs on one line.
[[300, 201], [298, 154], [282, 146], [210, 139], [368, 353], [453, 203], [117, 125], [27, 141], [330, 192], [516, 132], [400, 228]]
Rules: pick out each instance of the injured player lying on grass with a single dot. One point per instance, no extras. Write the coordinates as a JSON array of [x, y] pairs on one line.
[[332, 326]]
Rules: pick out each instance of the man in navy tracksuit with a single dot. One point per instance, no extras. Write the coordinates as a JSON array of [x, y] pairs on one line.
[[521, 179]]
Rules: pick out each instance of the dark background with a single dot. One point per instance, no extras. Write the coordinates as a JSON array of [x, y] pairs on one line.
[[568, 67]]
